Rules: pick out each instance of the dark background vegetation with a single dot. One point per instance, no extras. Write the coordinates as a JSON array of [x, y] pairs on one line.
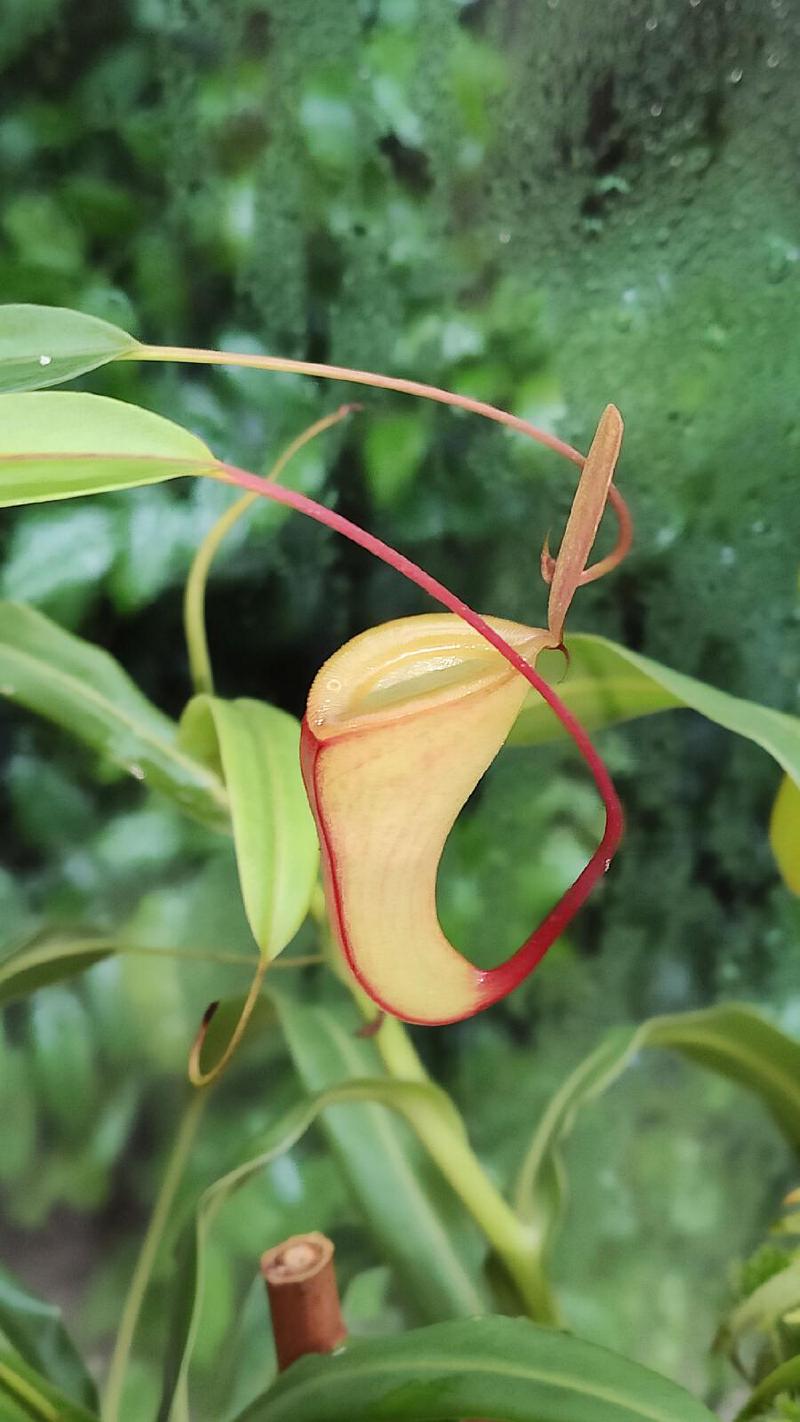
[[546, 203]]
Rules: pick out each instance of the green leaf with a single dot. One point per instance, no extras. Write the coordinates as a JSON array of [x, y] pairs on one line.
[[419, 1226], [36, 1330], [606, 683], [83, 690], [27, 969], [406, 1097], [44, 345], [764, 1308], [58, 445], [740, 1044], [730, 1039], [505, 1368], [37, 964], [256, 749], [542, 1185], [784, 832], [25, 1394]]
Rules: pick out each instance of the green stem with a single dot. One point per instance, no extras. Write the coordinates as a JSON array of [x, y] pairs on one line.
[[32, 1400], [197, 1076], [194, 620], [34, 956], [147, 1256], [180, 1406], [516, 1243], [400, 1056]]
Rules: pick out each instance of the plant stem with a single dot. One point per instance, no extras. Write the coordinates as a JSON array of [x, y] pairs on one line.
[[194, 622], [189, 355], [197, 1076], [194, 596], [113, 946], [399, 1055], [516, 1243], [147, 1255], [34, 1402], [192, 356]]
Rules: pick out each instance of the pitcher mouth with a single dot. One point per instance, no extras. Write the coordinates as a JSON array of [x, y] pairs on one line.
[[409, 666]]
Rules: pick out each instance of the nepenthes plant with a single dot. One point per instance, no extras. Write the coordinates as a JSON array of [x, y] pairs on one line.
[[400, 725]]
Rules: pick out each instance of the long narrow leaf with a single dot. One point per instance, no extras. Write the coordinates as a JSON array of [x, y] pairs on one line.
[[420, 1228], [740, 1044], [25, 1393], [403, 1097], [504, 1368], [730, 1039], [36, 1330], [606, 683], [83, 690]]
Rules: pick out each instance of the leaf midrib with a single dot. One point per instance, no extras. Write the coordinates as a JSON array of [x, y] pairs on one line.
[[783, 720], [501, 1368]]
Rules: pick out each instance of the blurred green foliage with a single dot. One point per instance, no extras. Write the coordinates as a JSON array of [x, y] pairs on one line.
[[547, 205]]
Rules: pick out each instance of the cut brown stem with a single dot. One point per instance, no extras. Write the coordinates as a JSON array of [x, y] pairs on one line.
[[303, 1297]]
